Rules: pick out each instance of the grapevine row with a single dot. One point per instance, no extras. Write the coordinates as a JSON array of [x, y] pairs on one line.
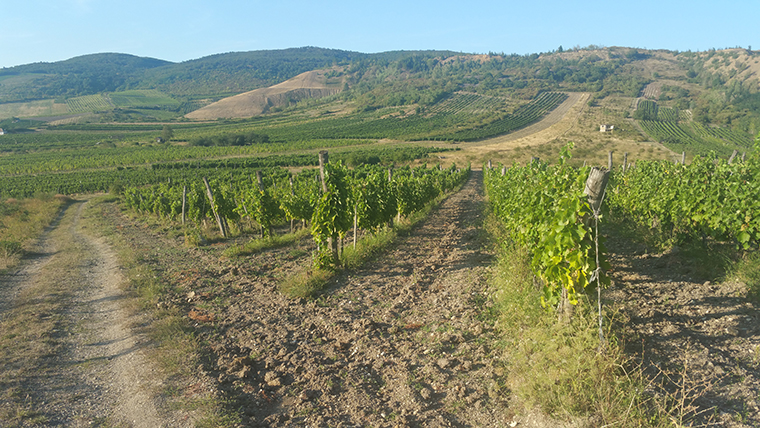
[[707, 198], [365, 193], [545, 210]]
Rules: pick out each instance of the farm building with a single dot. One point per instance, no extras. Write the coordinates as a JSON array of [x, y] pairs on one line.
[[2, 132], [606, 128]]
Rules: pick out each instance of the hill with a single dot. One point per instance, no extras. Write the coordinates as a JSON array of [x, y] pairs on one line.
[[83, 75], [689, 101], [311, 84]]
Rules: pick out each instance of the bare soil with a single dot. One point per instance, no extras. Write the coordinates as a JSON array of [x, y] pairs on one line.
[[311, 84], [406, 340], [698, 340]]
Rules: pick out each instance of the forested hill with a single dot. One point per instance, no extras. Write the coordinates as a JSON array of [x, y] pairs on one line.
[[718, 88], [214, 75], [83, 75]]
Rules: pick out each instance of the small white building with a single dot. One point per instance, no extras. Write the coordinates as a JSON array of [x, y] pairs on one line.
[[2, 132], [606, 128]]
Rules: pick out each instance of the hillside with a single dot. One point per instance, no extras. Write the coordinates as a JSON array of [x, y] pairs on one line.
[[311, 84], [707, 101], [83, 75]]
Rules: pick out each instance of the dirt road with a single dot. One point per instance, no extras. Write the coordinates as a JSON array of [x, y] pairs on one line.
[[69, 356]]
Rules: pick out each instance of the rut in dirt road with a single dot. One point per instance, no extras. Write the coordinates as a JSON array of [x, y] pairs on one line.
[[85, 368], [399, 342]]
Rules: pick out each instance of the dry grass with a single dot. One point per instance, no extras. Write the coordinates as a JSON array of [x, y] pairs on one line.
[[23, 221], [29, 331]]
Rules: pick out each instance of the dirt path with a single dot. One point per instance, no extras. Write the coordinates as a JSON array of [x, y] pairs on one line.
[[397, 343], [89, 369]]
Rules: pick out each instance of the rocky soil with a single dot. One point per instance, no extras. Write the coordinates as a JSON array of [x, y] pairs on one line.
[[698, 340]]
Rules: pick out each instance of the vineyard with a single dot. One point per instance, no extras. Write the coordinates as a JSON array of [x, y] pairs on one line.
[[459, 118], [708, 198], [546, 210], [29, 178], [675, 129], [89, 103], [368, 197], [142, 98]]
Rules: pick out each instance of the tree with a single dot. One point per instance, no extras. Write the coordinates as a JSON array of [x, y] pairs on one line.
[[167, 133]]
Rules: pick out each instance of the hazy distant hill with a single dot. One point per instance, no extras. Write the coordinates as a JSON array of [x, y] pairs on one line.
[[83, 75], [212, 76], [711, 88]]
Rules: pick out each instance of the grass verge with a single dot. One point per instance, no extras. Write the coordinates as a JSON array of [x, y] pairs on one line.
[[22, 222], [558, 367], [269, 242]]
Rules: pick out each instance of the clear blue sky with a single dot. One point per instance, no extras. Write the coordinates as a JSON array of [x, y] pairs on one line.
[[53, 30]]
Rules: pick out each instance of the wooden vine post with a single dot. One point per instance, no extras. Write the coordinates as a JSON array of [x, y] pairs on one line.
[[260, 182], [292, 194], [733, 156], [210, 195], [184, 204], [390, 180], [332, 241], [609, 161], [596, 184]]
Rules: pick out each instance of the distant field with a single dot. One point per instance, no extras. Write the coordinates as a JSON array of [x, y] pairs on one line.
[[89, 103], [142, 98], [32, 109]]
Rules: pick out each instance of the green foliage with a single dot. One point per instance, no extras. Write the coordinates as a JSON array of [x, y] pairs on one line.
[[332, 215], [263, 208], [709, 197], [9, 248], [248, 139], [546, 210], [662, 124]]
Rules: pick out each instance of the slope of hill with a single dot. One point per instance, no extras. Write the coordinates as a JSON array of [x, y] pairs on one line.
[[311, 84], [83, 75]]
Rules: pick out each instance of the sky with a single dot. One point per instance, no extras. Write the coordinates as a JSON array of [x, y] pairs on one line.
[[54, 30]]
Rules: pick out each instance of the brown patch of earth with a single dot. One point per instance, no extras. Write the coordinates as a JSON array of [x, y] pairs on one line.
[[698, 341]]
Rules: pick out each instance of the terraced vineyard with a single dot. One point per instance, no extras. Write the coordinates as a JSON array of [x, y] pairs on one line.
[[675, 129], [89, 103], [143, 98]]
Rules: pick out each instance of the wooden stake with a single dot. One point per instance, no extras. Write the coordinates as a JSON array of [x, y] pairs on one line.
[[332, 241], [184, 204], [733, 155], [210, 195]]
